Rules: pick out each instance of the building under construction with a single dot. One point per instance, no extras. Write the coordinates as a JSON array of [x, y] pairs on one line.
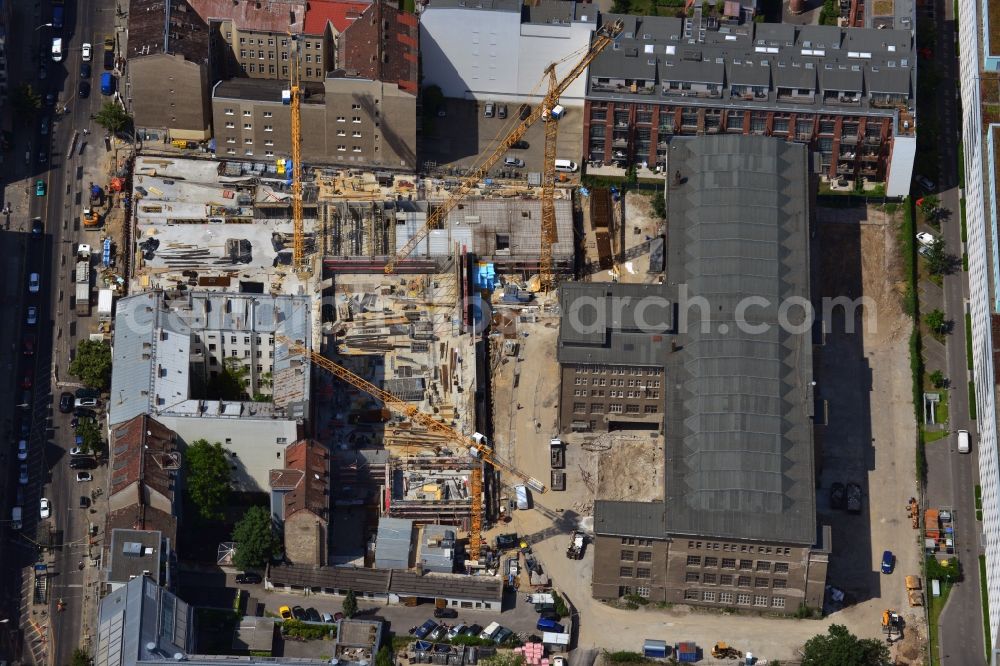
[[430, 489]]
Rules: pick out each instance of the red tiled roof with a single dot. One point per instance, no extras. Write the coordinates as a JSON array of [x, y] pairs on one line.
[[261, 15], [341, 13], [391, 55], [137, 517], [143, 450], [312, 493]]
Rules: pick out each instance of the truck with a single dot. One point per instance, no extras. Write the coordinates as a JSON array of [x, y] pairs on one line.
[[686, 652], [91, 216], [107, 83], [558, 479], [15, 517], [105, 304], [576, 546], [523, 497], [853, 498], [82, 281], [57, 16], [557, 454]]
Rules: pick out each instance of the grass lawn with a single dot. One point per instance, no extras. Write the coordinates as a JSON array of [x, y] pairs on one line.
[[972, 400], [934, 435], [986, 602], [968, 340], [934, 612]]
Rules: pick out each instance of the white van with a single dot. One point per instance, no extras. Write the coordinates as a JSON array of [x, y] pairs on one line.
[[963, 441], [57, 53], [15, 517], [566, 165]]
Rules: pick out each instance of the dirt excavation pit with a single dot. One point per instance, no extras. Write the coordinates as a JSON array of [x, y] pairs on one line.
[[622, 466]]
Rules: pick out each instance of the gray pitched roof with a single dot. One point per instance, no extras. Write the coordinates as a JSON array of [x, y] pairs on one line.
[[787, 76], [846, 80], [748, 74], [893, 80], [639, 519], [625, 324], [738, 427]]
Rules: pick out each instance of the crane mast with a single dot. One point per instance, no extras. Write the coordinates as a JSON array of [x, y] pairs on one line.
[[602, 38], [295, 85], [475, 445]]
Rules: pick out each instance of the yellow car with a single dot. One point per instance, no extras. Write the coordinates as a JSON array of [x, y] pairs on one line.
[[285, 612]]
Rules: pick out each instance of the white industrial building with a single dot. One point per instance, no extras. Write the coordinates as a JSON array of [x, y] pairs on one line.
[[498, 49], [169, 347]]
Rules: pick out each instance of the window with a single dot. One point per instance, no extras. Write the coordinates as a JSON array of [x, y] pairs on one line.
[[615, 408], [247, 126], [746, 565], [640, 572], [645, 556], [230, 125], [628, 541], [578, 407], [284, 70], [597, 408], [341, 133], [341, 119], [355, 149], [625, 572], [355, 106], [309, 57], [628, 555], [708, 596], [761, 582], [779, 583], [243, 53], [284, 56], [356, 119], [248, 142], [642, 592], [631, 409], [309, 71], [268, 114], [760, 600], [728, 563], [781, 567], [624, 590], [777, 602], [763, 565], [341, 148], [243, 40], [691, 595], [711, 561], [268, 128], [268, 142], [743, 599], [694, 561], [260, 54], [691, 577], [725, 579], [708, 578], [270, 41], [229, 151], [356, 134], [247, 114], [229, 112]]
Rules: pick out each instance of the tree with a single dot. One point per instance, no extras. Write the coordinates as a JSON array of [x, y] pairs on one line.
[[350, 604], [79, 658], [92, 364], [207, 478], [504, 658], [256, 542], [112, 117], [659, 205], [839, 647], [383, 657], [939, 262], [25, 99], [936, 322], [90, 434], [929, 204], [938, 379], [949, 571]]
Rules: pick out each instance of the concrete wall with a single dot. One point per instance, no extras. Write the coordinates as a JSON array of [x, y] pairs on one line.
[[577, 386], [243, 49], [305, 538], [254, 446], [169, 92]]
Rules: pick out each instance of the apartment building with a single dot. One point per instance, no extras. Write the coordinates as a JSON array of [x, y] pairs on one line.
[[166, 80], [737, 526], [362, 114], [613, 345], [847, 93]]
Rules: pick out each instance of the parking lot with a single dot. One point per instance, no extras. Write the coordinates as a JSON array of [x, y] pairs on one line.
[[459, 138]]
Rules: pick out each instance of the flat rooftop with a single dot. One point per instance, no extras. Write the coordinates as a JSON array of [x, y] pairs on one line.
[[133, 553]]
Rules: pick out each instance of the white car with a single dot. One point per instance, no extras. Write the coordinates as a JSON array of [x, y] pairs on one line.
[[86, 402], [57, 52], [925, 238], [34, 283], [77, 451], [22, 450], [85, 52], [44, 510], [455, 631], [84, 477], [32, 318]]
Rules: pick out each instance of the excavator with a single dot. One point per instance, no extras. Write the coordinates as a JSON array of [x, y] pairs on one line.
[[892, 624]]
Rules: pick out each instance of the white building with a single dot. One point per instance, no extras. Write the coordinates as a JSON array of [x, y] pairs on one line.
[[170, 352], [498, 49]]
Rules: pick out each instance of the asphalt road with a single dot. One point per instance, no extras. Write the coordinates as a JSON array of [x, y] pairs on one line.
[[952, 476], [44, 156]]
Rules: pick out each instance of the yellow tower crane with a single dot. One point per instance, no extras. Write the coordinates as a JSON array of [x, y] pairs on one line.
[[602, 38], [476, 445], [295, 89]]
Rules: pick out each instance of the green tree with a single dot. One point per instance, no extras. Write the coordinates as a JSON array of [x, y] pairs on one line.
[[949, 571], [830, 13], [938, 379], [659, 204], [92, 364], [929, 204], [383, 657], [350, 606], [79, 658], [113, 117], [936, 321], [504, 658], [939, 262], [90, 433], [839, 647], [207, 478], [25, 99], [256, 542]]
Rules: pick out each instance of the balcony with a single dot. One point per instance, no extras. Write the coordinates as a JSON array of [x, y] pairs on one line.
[[869, 157], [849, 139], [888, 101], [843, 98], [696, 93], [873, 140], [845, 168], [622, 88], [848, 156], [756, 95], [619, 143], [795, 97]]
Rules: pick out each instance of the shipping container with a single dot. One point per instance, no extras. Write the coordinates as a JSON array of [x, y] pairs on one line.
[[655, 649]]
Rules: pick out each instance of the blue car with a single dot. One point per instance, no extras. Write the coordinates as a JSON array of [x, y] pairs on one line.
[[426, 628], [888, 562]]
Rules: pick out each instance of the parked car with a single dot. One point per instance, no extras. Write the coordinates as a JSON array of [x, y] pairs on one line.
[[327, 618], [502, 635], [472, 630], [84, 477], [22, 474], [513, 162], [82, 462], [44, 508], [299, 613], [520, 145], [925, 238], [488, 110], [85, 51], [43, 127], [502, 111], [888, 562], [28, 345], [65, 402], [37, 228], [523, 112], [86, 402], [27, 381], [455, 631], [22, 450], [32, 316], [313, 615], [85, 70], [445, 613], [838, 496], [34, 281], [248, 578], [285, 612], [39, 188], [924, 182], [426, 628], [437, 634], [84, 413], [84, 502], [337, 617], [84, 89], [77, 450]]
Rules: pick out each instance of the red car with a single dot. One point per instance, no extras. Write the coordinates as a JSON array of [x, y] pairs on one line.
[[26, 381], [28, 345]]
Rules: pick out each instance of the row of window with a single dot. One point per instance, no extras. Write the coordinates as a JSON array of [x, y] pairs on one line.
[[598, 393], [632, 383], [614, 408], [248, 126], [616, 370], [234, 339], [740, 599], [270, 42], [249, 152], [741, 547], [638, 572], [737, 581], [634, 541], [643, 556], [744, 565]]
